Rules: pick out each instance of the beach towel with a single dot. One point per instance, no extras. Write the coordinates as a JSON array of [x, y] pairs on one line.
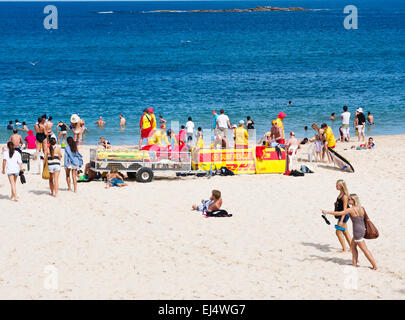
[[217, 214]]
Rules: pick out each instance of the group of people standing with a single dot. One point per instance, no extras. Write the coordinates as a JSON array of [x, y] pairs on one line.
[[47, 146], [359, 124]]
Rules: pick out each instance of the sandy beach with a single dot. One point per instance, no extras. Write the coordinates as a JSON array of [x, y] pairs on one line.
[[144, 242]]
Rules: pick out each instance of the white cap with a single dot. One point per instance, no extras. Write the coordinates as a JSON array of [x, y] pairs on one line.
[[74, 118], [360, 110], [241, 122]]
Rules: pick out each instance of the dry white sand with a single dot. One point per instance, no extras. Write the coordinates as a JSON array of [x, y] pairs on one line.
[[144, 242]]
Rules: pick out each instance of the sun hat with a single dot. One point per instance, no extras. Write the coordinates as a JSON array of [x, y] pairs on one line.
[[241, 122], [150, 110], [30, 132], [360, 110], [282, 115], [74, 118]]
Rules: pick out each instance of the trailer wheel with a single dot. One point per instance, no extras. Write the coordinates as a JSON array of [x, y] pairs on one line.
[[144, 175]]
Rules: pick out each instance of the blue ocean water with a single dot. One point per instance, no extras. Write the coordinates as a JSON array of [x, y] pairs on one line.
[[187, 63]]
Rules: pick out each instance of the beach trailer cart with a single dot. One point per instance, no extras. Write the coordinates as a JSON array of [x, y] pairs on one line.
[[140, 164]]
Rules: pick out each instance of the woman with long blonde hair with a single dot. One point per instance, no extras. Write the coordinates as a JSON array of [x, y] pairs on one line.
[[356, 212], [341, 204]]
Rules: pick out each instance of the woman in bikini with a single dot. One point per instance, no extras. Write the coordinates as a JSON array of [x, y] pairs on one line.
[[77, 130], [41, 140], [341, 204], [356, 212], [53, 155]]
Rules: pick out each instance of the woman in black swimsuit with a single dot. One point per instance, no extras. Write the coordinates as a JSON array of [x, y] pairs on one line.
[[41, 140], [356, 212], [341, 204], [62, 129]]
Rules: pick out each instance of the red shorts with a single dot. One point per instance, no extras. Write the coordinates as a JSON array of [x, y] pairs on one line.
[[281, 141], [145, 133]]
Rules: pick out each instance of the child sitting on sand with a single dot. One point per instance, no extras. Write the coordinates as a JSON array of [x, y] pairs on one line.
[[214, 204], [115, 179]]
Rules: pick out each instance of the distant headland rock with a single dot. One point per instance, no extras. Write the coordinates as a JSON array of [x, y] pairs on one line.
[[257, 9]]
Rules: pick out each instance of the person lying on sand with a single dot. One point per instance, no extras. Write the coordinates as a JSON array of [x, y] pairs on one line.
[[115, 179], [369, 145], [214, 204]]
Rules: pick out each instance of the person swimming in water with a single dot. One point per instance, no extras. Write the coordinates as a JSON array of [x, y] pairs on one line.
[[100, 122], [123, 121], [370, 118]]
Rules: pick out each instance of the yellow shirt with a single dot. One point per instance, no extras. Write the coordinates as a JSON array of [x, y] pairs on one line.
[[154, 121], [330, 137], [146, 121], [241, 136], [280, 124], [200, 143], [157, 138]]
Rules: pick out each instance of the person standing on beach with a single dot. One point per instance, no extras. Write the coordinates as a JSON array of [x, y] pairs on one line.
[[214, 125], [249, 123], [280, 123], [123, 121], [241, 136], [73, 161], [345, 116], [100, 122], [153, 117], [53, 155], [222, 126], [182, 135], [361, 125], [330, 141], [41, 139], [145, 125], [12, 165], [48, 128], [190, 129], [356, 212], [341, 204], [62, 130], [276, 133]]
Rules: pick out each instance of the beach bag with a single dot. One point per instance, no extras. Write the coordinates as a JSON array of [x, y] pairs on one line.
[[371, 230], [226, 172], [45, 171]]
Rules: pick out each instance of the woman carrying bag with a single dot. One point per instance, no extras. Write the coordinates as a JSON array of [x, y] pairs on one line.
[[360, 220]]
